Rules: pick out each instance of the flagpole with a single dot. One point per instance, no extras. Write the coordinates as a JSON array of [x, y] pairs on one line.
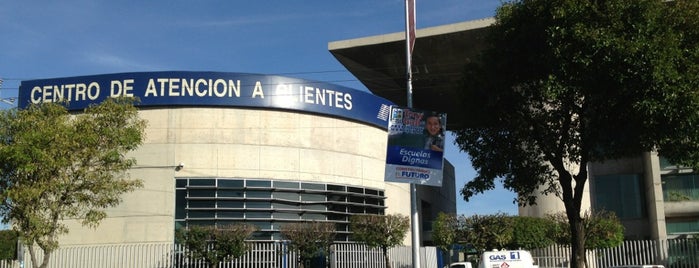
[[409, 43]]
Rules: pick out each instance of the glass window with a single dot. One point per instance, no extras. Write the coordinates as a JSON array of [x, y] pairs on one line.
[[181, 183], [179, 225], [277, 236], [336, 197], [230, 193], [258, 194], [267, 184], [287, 196], [286, 185], [202, 182], [680, 187], [285, 215], [370, 210], [320, 207], [230, 183], [260, 235], [221, 201], [356, 199], [180, 204], [202, 203], [372, 201], [195, 222], [229, 214], [682, 226], [356, 209], [280, 205], [336, 188], [312, 197], [355, 190], [258, 215], [312, 186], [338, 208], [258, 204], [202, 193], [313, 216], [262, 225], [337, 217], [621, 194], [201, 214], [230, 204]]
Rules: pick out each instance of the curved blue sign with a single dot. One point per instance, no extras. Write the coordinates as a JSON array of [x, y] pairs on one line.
[[180, 88]]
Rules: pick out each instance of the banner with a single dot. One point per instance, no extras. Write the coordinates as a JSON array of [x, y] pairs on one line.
[[415, 150]]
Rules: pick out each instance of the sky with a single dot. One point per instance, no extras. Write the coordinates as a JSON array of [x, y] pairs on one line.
[[48, 39]]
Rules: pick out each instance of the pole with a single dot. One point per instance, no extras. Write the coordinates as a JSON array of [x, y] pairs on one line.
[[409, 39]]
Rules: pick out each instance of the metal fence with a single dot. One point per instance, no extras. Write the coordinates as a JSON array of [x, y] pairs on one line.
[[260, 255], [673, 253]]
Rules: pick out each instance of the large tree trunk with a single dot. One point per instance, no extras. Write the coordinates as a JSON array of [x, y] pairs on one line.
[[385, 257], [577, 237], [44, 261], [572, 199]]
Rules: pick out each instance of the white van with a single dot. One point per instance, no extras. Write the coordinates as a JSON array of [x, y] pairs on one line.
[[507, 259]]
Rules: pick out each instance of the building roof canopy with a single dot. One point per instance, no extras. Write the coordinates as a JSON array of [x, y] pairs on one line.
[[438, 61]]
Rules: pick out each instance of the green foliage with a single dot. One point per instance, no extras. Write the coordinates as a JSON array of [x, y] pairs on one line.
[[498, 231], [487, 232], [531, 233], [215, 245], [380, 231], [602, 229], [445, 231], [56, 166], [8, 244], [309, 239], [566, 82]]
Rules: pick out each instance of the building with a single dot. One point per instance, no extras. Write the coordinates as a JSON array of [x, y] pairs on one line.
[[654, 199], [223, 148]]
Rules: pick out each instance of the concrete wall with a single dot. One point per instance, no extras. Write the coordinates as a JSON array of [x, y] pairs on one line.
[[240, 143]]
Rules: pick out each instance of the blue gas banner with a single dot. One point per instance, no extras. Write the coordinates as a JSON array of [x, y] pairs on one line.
[[180, 88], [415, 151]]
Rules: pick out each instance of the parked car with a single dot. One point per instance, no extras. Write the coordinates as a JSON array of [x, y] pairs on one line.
[[461, 265]]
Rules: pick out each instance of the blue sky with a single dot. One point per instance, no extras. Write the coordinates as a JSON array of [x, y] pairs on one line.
[[46, 39]]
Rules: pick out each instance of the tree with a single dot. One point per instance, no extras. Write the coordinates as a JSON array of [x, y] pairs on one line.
[[380, 231], [563, 83], [487, 232], [8, 245], [602, 229], [445, 231], [497, 231], [56, 166], [309, 239], [215, 245], [531, 233]]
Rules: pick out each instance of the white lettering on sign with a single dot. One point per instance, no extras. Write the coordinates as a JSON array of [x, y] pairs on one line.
[[325, 97], [66, 92], [285, 95], [177, 87]]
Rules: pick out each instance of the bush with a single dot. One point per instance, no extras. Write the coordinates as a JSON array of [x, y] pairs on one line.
[[8, 244]]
